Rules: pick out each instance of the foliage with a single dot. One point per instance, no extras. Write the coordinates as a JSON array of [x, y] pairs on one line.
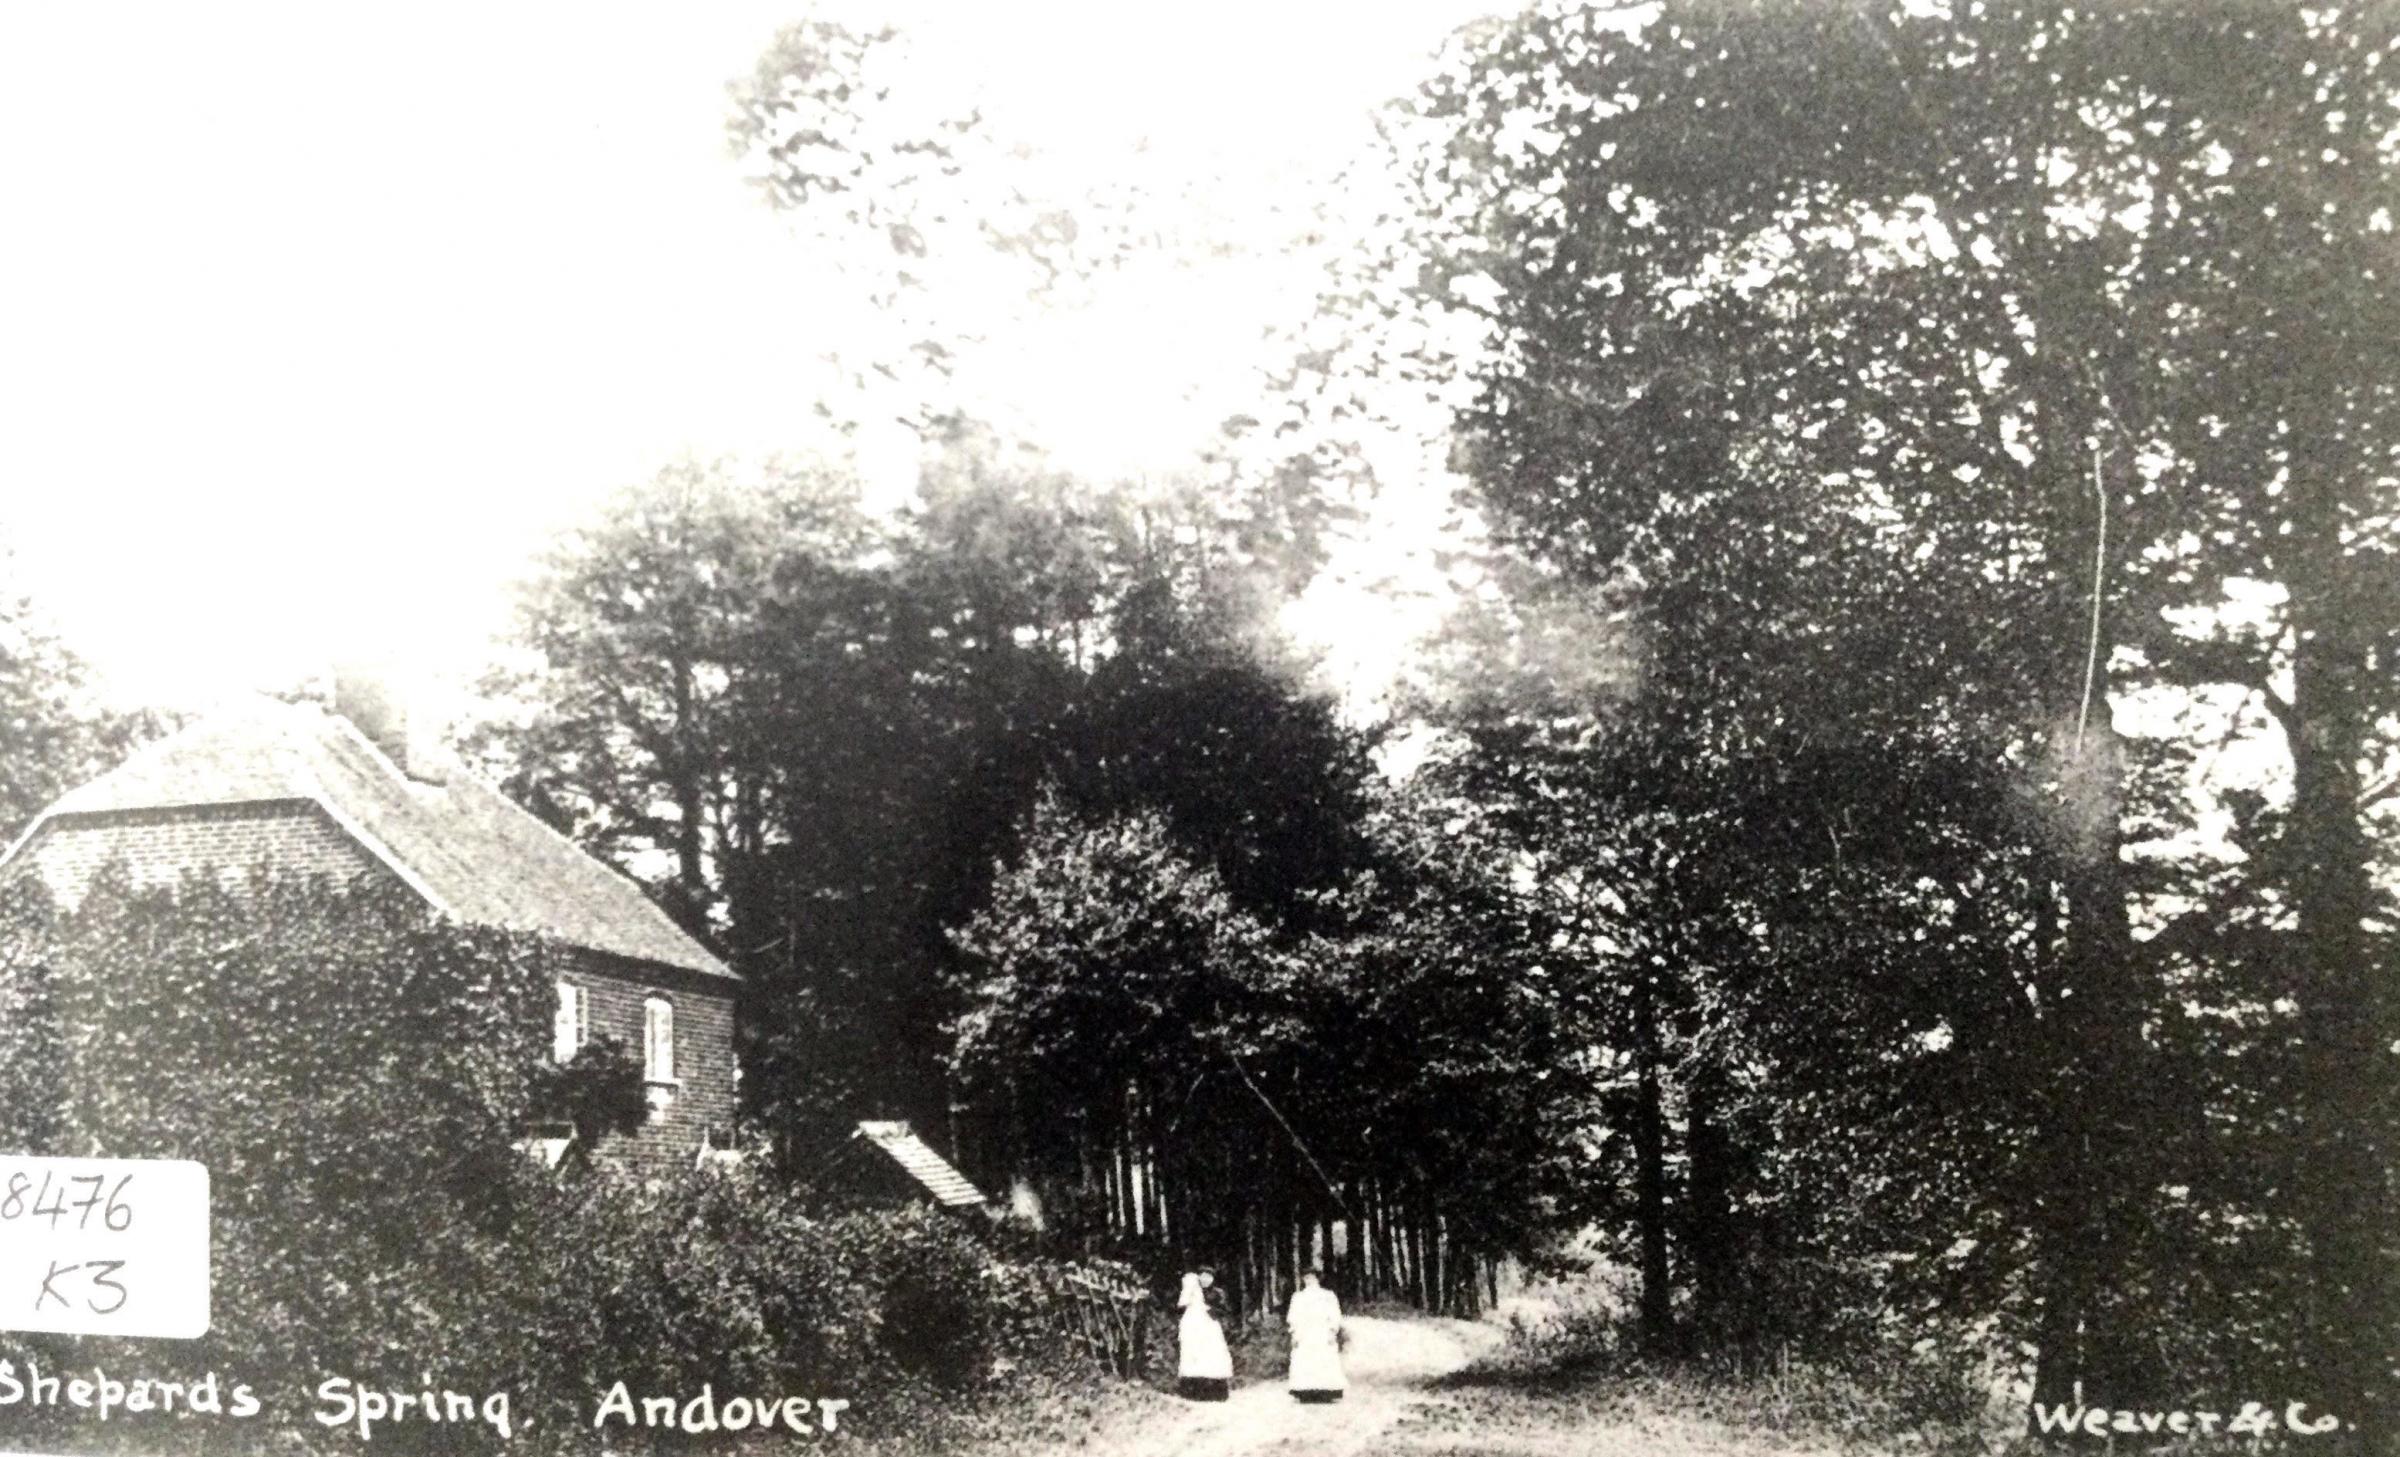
[[351, 1072], [598, 1093], [962, 247], [911, 197], [32, 1065], [53, 735], [356, 1073], [1109, 951], [1394, 1054], [727, 1279], [1115, 980], [1923, 440], [1925, 393], [831, 729]]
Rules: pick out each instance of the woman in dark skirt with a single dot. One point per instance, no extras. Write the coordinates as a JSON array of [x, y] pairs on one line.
[[1203, 1364]]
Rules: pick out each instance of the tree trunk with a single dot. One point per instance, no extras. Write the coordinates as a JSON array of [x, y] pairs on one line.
[[2347, 1200], [1709, 1245], [1416, 1255], [1429, 1239], [1128, 1210], [1650, 1177], [1387, 1250], [2060, 1271], [1355, 1274], [1283, 1250], [1379, 1234], [2102, 1158]]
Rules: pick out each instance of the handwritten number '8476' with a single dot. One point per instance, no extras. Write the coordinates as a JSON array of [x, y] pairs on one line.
[[115, 1213]]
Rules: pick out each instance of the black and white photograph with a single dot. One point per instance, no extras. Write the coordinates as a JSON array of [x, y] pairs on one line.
[[1441, 728]]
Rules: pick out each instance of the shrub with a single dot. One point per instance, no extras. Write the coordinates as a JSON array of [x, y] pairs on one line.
[[933, 1318], [725, 1278], [356, 1075], [710, 1277], [31, 1066], [598, 1093]]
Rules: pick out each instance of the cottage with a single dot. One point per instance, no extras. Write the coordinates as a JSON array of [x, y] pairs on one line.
[[363, 791]]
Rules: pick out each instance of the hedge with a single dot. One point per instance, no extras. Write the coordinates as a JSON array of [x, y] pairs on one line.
[[356, 1074]]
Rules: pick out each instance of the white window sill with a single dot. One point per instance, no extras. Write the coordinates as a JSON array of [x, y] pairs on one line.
[[661, 1093]]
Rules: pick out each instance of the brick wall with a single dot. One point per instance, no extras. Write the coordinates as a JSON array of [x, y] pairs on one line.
[[158, 846], [703, 1099]]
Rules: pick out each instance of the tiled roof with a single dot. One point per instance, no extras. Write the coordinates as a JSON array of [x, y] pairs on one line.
[[947, 1185], [460, 843]]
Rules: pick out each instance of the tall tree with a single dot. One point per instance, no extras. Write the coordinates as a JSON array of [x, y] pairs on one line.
[[946, 233], [638, 635], [53, 734], [1934, 316], [819, 733], [1234, 1088]]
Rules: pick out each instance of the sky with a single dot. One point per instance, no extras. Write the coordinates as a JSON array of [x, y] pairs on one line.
[[318, 320]]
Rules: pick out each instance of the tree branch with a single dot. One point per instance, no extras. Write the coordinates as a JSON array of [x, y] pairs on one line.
[[2281, 707], [2375, 794]]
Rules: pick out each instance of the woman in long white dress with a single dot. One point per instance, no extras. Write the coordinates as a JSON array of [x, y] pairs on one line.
[[1203, 1363], [1316, 1322]]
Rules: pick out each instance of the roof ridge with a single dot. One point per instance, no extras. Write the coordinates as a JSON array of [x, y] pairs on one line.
[[314, 782]]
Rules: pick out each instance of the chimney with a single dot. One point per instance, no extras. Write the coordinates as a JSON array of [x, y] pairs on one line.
[[379, 705]]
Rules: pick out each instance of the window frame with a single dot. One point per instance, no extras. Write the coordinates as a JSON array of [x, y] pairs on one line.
[[658, 1015], [574, 1000]]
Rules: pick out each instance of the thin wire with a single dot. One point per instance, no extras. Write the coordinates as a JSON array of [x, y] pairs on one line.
[[2091, 663], [1325, 1178]]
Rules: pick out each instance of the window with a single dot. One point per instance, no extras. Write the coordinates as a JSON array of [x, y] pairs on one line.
[[658, 1040], [568, 1023]]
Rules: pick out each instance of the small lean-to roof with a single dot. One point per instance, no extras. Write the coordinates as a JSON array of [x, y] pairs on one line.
[[458, 842], [947, 1185]]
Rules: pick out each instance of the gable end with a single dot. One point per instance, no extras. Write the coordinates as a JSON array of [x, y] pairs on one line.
[[159, 847]]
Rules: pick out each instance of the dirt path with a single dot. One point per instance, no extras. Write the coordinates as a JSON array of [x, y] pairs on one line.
[[1389, 1362]]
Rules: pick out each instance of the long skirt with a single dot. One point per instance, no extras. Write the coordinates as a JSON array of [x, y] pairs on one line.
[[1317, 1366], [1203, 1363]]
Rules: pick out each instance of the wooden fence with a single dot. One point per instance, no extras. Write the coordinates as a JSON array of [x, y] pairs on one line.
[[1100, 1307]]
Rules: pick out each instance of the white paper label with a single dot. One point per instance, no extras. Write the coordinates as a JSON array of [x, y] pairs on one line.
[[104, 1247]]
